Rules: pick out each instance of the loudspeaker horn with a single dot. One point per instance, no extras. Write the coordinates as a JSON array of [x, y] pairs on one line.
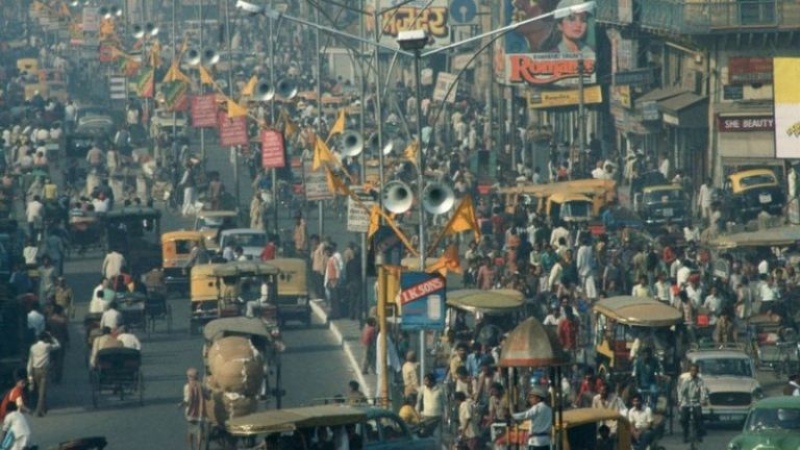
[[151, 29], [210, 56], [263, 92], [387, 149], [192, 57], [438, 198], [352, 143], [113, 11], [286, 89], [138, 31], [397, 197], [104, 12]]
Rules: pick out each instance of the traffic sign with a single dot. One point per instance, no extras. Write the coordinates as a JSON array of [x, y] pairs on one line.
[[422, 300], [463, 11]]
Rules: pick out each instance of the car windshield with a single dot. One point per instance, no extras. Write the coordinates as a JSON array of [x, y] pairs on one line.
[[667, 195], [757, 180], [576, 209], [735, 367], [208, 223], [247, 240], [773, 419]]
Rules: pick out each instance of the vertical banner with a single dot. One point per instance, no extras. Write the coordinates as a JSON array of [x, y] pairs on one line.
[[315, 183], [273, 153], [232, 131], [204, 111], [358, 215], [422, 301], [787, 107]]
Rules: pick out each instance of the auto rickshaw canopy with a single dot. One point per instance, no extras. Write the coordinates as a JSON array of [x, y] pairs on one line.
[[172, 236], [235, 326], [770, 237], [638, 311], [292, 278], [495, 301], [749, 179], [286, 420], [244, 269], [531, 344], [131, 212]]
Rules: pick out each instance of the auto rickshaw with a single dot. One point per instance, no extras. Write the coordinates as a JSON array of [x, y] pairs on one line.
[[221, 290], [570, 207], [746, 193], [209, 222], [293, 299], [135, 232], [176, 247], [577, 428], [483, 315]]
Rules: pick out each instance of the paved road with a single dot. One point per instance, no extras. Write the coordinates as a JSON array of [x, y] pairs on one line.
[[314, 366]]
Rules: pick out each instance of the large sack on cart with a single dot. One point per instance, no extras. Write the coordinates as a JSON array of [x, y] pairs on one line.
[[222, 406], [236, 366]]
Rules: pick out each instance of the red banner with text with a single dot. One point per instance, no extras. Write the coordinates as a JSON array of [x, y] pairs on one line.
[[272, 151], [232, 131], [204, 111]]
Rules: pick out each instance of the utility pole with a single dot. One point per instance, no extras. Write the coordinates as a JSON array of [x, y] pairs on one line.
[[235, 153], [320, 205], [271, 36], [202, 87], [581, 115], [174, 60]]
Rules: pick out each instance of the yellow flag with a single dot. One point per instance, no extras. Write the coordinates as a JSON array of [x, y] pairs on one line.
[[448, 262], [235, 109], [205, 77], [338, 126], [322, 154], [335, 184], [174, 74], [248, 88], [464, 219], [289, 128], [411, 152], [374, 221]]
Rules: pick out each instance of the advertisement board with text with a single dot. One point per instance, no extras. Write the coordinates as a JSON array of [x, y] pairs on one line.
[[787, 107]]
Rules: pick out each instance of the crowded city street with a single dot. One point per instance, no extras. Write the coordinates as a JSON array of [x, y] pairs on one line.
[[417, 225]]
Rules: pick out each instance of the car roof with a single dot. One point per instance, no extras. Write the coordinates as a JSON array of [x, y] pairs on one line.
[[716, 354], [242, 231], [781, 401]]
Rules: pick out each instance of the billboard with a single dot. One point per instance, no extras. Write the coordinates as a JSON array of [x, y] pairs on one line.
[[431, 15], [787, 107], [422, 299], [547, 51]]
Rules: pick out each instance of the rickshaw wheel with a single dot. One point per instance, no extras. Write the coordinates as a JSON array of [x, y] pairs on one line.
[[140, 388]]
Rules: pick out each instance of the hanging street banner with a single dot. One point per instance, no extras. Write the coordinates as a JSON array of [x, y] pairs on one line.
[[273, 153], [446, 85], [315, 183], [358, 215], [433, 16], [538, 99], [232, 131], [422, 301], [176, 95], [204, 111]]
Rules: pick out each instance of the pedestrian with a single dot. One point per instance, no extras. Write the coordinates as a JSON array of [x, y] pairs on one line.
[[39, 366], [704, 199], [368, 335], [430, 403], [47, 279], [299, 236], [58, 326], [187, 182], [63, 297], [410, 374], [54, 249], [16, 430], [113, 264], [540, 416], [467, 421], [354, 395], [128, 339], [692, 394], [16, 394], [34, 213], [194, 404], [333, 275], [318, 263]]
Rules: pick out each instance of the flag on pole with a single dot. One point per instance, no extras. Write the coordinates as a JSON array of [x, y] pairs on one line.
[[289, 128], [145, 82], [338, 126], [464, 219], [174, 74], [335, 184], [235, 109], [205, 77], [448, 262], [322, 154], [374, 220], [411, 152], [247, 90]]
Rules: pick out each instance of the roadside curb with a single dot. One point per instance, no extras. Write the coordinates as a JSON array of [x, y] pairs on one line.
[[320, 312]]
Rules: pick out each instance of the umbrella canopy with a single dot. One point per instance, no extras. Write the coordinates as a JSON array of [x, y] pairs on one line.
[[495, 301], [531, 344]]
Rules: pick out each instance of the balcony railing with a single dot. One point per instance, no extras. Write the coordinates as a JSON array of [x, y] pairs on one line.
[[701, 17]]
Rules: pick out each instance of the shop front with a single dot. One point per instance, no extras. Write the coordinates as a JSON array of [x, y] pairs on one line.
[[745, 137]]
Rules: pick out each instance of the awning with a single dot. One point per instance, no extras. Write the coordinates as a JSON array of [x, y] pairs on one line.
[[686, 110], [659, 94]]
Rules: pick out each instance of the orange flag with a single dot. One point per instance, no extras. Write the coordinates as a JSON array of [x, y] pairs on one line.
[[374, 221], [235, 109], [248, 88], [448, 262], [464, 219], [338, 126], [205, 77], [289, 128], [411, 152], [335, 184], [322, 154]]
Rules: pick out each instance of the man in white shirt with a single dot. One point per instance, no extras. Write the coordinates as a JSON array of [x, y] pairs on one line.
[[767, 294], [36, 321], [128, 339], [430, 403], [713, 304], [540, 416], [111, 318], [34, 213], [38, 365], [113, 264], [16, 423], [98, 304], [704, 197], [763, 267], [641, 419], [263, 299]]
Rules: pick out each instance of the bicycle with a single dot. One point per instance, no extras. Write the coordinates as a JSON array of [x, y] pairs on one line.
[[694, 431]]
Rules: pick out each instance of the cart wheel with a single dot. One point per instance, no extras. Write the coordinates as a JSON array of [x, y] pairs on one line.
[[95, 382], [169, 318], [140, 388]]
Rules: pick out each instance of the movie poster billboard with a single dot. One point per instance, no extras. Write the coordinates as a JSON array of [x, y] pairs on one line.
[[787, 107], [546, 53], [431, 15]]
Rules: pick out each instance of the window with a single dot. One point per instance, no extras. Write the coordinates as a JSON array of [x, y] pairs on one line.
[[757, 180], [721, 367]]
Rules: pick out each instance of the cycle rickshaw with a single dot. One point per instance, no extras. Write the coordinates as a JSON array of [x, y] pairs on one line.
[[118, 372]]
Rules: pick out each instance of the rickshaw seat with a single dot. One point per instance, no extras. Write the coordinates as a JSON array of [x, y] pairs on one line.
[[119, 359]]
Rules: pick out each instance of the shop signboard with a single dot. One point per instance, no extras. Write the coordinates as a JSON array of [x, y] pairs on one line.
[[422, 301], [750, 70], [538, 99], [787, 107], [433, 16], [733, 124]]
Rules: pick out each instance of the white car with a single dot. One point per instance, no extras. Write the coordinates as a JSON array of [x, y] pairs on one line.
[[251, 240], [163, 120], [729, 376]]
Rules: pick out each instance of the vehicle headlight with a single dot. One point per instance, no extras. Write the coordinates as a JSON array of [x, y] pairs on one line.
[[758, 393], [302, 300], [734, 446]]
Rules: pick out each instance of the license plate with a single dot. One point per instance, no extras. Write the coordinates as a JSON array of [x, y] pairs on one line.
[[765, 198], [729, 418], [667, 212]]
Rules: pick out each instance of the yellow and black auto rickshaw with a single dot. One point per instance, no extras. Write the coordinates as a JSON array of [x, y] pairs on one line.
[[293, 299], [176, 248]]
